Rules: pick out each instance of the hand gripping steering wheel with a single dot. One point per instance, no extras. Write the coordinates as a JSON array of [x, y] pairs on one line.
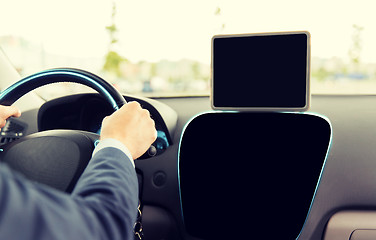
[[56, 157]]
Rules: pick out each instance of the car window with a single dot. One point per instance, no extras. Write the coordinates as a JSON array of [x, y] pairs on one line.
[[162, 48]]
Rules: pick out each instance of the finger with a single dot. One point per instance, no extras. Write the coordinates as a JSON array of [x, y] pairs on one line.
[[9, 111], [134, 105], [155, 135], [105, 118], [14, 112], [145, 113], [2, 123]]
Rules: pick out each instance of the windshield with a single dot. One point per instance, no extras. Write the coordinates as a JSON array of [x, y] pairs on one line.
[[162, 48]]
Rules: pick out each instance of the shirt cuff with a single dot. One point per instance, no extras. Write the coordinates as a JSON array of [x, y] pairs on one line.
[[110, 142]]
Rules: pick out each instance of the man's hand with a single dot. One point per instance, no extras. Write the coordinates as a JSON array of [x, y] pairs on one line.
[[7, 112], [132, 126]]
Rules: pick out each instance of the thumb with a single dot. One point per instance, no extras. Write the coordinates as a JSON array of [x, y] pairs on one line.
[[6, 112], [10, 111]]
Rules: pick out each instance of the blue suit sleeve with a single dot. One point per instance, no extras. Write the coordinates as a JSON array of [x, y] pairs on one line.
[[103, 204]]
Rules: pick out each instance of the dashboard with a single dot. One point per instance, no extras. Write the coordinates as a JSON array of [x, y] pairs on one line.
[[346, 183], [86, 111]]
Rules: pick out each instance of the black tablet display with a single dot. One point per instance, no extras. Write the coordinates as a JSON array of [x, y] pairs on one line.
[[267, 71]]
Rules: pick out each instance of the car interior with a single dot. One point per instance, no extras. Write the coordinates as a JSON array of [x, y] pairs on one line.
[[252, 159]]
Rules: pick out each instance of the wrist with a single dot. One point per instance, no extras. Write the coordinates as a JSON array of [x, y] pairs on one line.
[[110, 142]]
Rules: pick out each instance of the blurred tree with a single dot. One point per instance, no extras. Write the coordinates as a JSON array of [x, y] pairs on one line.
[[196, 70], [113, 59], [112, 63], [153, 69], [356, 48], [321, 74], [218, 13], [112, 29]]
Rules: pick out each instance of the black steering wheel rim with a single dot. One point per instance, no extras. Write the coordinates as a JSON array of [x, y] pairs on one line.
[[56, 157], [27, 84]]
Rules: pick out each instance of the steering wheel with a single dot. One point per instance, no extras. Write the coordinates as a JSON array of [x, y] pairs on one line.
[[55, 157]]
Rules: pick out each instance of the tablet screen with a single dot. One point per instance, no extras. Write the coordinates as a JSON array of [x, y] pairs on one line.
[[268, 71]]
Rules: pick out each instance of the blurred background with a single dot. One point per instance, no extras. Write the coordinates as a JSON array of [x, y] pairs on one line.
[[163, 48]]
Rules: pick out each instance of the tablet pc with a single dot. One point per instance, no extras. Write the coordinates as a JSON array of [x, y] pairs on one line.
[[261, 72]]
